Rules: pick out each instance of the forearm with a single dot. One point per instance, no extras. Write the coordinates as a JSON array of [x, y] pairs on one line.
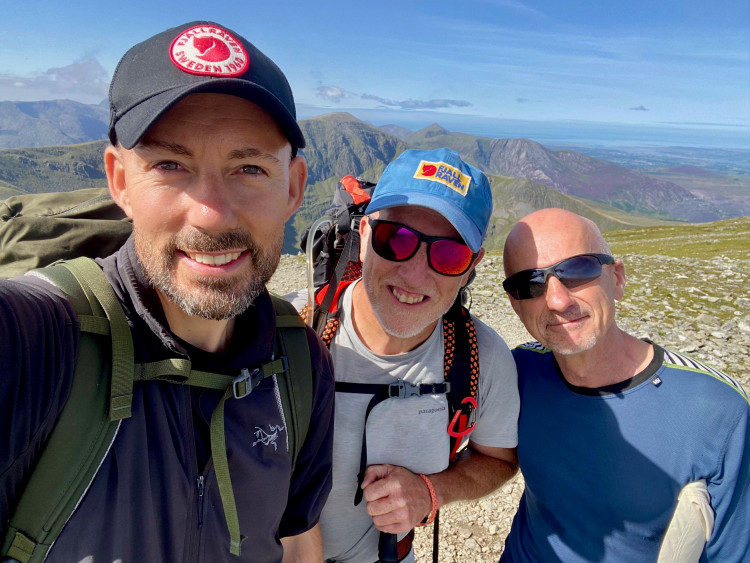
[[306, 547], [473, 475]]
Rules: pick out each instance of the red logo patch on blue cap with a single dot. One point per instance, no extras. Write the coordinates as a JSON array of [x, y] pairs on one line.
[[209, 51]]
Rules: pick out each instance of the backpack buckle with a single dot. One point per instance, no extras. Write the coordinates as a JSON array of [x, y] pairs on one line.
[[245, 382], [403, 390]]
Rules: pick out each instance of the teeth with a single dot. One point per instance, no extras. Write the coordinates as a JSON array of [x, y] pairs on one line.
[[215, 259], [409, 300]]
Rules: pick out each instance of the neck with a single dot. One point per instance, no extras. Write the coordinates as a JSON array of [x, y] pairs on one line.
[[205, 334], [618, 359], [371, 333]]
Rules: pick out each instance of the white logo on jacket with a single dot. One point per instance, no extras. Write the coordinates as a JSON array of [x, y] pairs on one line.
[[268, 438]]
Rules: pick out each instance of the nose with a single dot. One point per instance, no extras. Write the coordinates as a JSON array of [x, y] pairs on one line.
[[558, 297], [416, 269], [211, 207]]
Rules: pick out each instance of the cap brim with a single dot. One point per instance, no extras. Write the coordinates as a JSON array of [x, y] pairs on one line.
[[137, 120], [465, 227]]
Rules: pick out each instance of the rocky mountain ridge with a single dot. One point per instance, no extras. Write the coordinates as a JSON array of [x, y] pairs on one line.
[[525, 175]]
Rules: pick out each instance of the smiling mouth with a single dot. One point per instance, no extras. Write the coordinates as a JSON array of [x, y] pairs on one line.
[[214, 259], [405, 298]]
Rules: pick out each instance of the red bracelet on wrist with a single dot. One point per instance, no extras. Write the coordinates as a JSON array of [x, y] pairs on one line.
[[433, 498]]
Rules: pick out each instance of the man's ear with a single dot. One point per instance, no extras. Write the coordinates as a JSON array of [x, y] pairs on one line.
[[362, 229], [115, 170], [297, 181], [619, 271]]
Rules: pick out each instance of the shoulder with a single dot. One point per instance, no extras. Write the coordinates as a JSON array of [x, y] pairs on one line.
[[531, 351], [702, 377], [33, 299]]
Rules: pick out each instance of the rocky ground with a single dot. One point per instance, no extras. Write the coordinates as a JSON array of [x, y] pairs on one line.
[[698, 307]]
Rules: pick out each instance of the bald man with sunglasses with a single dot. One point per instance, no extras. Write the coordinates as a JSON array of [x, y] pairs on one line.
[[421, 240], [613, 429]]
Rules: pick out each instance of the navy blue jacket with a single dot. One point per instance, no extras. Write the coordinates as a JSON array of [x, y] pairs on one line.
[[155, 497]]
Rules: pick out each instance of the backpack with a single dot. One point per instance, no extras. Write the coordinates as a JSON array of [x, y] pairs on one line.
[[332, 245], [37, 229], [91, 417]]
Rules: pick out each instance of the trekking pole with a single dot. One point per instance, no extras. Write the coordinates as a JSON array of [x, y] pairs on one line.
[[310, 260], [388, 548]]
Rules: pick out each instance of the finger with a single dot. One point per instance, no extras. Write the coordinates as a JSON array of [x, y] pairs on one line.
[[375, 472], [388, 486], [393, 522]]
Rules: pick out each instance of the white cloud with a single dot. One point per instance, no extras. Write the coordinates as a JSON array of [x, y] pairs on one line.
[[83, 81]]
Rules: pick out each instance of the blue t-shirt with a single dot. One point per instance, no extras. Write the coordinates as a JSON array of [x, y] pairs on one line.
[[603, 467]]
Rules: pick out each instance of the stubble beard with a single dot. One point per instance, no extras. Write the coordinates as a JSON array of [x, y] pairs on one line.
[[560, 345], [208, 297], [405, 325]]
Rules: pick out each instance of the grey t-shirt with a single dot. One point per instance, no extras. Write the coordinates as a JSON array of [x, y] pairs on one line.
[[408, 432]]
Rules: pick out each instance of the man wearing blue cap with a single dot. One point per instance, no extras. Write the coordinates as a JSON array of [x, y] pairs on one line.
[[421, 240], [203, 159]]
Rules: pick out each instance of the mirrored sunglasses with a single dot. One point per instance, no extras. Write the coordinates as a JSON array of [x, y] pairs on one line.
[[398, 243], [572, 272]]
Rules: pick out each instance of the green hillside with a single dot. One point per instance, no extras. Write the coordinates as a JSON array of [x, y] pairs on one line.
[[339, 144]]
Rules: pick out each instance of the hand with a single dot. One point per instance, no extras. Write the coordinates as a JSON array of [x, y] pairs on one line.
[[397, 499]]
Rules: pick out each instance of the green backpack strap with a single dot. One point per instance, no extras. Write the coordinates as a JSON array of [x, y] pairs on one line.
[[296, 384], [85, 429]]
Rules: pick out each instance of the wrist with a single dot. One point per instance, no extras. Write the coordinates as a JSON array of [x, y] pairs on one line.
[[433, 501]]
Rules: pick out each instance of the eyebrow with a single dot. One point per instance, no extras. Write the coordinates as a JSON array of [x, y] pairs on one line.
[[169, 147], [236, 154], [251, 152]]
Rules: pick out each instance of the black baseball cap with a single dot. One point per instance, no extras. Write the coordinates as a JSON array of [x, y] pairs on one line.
[[199, 56]]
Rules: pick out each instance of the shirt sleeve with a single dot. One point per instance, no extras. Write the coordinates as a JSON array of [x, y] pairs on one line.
[[730, 495], [497, 423], [38, 344], [311, 480]]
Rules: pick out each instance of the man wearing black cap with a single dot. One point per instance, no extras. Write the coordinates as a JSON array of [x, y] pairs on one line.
[[203, 159]]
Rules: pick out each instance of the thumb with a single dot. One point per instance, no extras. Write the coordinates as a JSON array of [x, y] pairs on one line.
[[375, 472]]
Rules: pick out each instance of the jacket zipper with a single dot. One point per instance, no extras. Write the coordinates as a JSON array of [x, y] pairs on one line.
[[201, 486]]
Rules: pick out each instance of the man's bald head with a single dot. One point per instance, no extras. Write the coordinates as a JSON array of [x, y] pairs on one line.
[[548, 235]]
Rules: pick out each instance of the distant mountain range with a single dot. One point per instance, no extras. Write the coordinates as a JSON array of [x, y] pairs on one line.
[[524, 174], [47, 123]]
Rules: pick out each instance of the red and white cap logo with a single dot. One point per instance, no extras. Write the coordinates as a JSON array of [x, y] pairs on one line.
[[209, 51]]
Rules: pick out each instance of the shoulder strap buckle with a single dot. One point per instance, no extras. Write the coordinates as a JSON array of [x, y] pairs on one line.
[[403, 389], [245, 382]]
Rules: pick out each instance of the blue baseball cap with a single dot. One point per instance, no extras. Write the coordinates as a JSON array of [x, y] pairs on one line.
[[441, 181]]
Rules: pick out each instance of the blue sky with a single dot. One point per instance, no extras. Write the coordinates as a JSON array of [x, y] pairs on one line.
[[479, 66]]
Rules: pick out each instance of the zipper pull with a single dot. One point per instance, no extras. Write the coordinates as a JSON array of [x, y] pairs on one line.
[[201, 482]]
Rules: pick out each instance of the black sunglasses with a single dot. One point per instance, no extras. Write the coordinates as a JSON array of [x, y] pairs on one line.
[[572, 272], [398, 243]]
